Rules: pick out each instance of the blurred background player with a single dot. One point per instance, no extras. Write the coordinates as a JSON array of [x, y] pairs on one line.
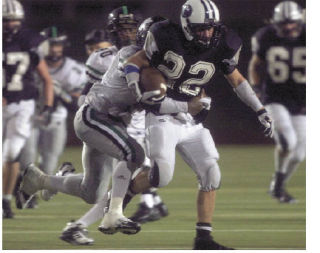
[[99, 62], [95, 40], [69, 78], [21, 58], [277, 68]]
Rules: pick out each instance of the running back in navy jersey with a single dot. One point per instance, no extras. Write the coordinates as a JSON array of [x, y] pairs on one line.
[[285, 59], [20, 58], [187, 67]]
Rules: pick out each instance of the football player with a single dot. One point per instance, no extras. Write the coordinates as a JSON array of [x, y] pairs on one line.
[[96, 39], [99, 62], [188, 55], [68, 77], [21, 58], [278, 69]]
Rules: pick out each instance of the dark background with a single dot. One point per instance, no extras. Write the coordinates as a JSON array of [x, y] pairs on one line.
[[230, 121]]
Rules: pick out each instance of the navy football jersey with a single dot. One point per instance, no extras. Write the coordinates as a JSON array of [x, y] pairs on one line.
[[285, 59], [189, 68], [20, 58]]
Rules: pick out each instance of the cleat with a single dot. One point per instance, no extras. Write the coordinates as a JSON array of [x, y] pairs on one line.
[[76, 234], [283, 197], [163, 209], [113, 223], [145, 214], [32, 202], [32, 180], [21, 199], [6, 209], [65, 169], [208, 244], [277, 189]]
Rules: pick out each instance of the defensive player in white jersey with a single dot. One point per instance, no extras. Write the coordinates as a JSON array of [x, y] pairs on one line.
[[98, 63], [278, 69], [188, 55], [69, 78], [21, 59]]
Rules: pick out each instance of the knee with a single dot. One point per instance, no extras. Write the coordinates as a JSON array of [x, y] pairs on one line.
[[137, 156], [287, 142], [90, 196], [298, 156], [11, 153], [209, 176], [160, 174]]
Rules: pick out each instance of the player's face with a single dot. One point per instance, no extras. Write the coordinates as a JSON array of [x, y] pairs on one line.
[[204, 35], [55, 52], [290, 30], [10, 26], [93, 47], [127, 34]]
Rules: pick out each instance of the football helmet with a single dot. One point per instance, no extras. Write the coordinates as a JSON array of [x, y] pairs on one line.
[[95, 36], [57, 40], [288, 19], [197, 19], [144, 28], [12, 15], [122, 26]]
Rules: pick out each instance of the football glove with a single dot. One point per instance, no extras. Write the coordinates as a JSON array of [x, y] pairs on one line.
[[44, 118], [266, 122]]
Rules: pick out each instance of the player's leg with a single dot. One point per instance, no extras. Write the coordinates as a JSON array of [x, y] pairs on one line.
[[76, 231], [28, 155], [151, 207], [286, 140], [52, 145], [299, 153], [199, 152], [162, 138], [17, 118]]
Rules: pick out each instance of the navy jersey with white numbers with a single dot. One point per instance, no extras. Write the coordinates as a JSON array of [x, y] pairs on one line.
[[188, 68], [20, 58], [285, 59]]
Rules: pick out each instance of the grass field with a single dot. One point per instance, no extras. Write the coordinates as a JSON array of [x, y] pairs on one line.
[[245, 215]]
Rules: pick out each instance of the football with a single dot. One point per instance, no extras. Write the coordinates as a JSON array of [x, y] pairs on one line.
[[152, 79]]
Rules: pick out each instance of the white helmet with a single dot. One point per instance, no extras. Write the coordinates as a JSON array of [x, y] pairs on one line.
[[12, 10], [287, 12], [197, 14]]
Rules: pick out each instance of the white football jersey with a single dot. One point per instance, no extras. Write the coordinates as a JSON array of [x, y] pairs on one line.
[[99, 62], [112, 95], [69, 76]]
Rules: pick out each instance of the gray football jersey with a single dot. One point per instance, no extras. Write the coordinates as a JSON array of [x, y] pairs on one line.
[[112, 96]]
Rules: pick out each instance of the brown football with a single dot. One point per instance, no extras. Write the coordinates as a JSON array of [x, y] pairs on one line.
[[152, 79]]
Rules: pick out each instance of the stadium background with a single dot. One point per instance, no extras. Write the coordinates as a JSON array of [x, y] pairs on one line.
[[230, 121]]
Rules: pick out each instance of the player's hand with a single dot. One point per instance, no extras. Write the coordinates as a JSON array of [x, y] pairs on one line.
[[198, 103], [266, 122], [135, 90], [45, 116]]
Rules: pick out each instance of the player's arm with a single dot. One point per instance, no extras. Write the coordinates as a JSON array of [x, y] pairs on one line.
[[244, 91], [43, 71]]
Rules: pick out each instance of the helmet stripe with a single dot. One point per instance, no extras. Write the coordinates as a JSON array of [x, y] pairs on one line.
[[54, 32], [206, 11], [125, 10], [215, 11]]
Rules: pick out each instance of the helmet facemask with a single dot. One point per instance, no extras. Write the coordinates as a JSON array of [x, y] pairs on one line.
[[204, 35]]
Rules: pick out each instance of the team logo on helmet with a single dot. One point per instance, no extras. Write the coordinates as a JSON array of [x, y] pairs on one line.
[[186, 10]]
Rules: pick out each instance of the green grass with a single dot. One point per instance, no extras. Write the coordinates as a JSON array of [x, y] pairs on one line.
[[245, 215]]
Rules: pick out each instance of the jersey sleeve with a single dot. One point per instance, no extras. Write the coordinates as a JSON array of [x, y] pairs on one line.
[[231, 48], [257, 43]]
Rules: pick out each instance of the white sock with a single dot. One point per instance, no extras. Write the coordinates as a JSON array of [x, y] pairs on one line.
[[7, 197], [95, 213], [157, 200], [147, 199]]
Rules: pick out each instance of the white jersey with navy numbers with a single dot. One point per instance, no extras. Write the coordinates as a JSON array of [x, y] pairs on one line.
[[112, 95], [70, 76], [99, 62]]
